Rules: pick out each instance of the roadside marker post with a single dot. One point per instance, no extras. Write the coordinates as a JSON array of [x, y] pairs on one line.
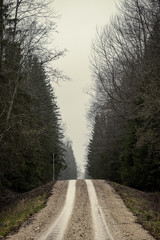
[[53, 168]]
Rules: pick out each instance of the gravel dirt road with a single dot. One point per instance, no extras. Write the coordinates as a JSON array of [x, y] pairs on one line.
[[87, 210]]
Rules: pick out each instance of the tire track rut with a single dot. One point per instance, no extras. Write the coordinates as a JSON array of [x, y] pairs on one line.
[[83, 210], [80, 225]]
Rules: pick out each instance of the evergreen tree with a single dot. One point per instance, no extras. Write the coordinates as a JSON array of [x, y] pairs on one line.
[[126, 74], [26, 158], [29, 131], [70, 172], [102, 155]]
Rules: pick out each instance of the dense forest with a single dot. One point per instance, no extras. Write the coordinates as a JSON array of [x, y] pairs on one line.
[[30, 130], [70, 171], [125, 110]]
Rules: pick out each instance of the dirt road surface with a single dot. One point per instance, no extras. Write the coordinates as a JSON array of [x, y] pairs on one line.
[[83, 209]]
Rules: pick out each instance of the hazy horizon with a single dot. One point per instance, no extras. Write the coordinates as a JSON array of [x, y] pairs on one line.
[[77, 28]]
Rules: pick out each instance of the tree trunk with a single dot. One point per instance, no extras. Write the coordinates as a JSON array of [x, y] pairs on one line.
[[15, 21], [1, 33]]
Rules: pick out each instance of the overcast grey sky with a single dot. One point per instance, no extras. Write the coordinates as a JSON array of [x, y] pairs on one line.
[[77, 28]]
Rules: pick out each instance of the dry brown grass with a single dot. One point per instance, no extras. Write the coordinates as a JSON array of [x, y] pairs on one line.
[[146, 207], [20, 209]]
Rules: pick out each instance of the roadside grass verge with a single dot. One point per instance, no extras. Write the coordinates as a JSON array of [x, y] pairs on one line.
[[20, 212], [14, 217], [145, 206]]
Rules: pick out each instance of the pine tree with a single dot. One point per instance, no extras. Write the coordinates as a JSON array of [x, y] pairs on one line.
[[126, 74], [30, 130], [70, 171]]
